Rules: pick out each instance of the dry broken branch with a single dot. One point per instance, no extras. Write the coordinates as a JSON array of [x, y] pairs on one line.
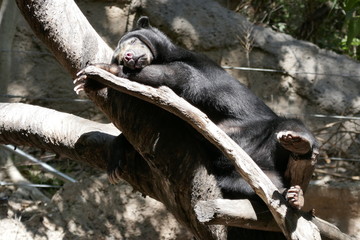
[[290, 222]]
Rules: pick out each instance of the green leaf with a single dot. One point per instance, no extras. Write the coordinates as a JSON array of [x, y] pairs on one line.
[[353, 29], [350, 5]]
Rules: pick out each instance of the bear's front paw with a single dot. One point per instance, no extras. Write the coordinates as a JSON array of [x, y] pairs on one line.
[[80, 82], [115, 175], [295, 197], [85, 83]]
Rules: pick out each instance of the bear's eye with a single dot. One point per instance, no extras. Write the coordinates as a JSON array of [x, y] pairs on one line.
[[133, 41]]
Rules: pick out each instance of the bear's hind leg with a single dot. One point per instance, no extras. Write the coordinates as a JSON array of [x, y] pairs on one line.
[[295, 138]]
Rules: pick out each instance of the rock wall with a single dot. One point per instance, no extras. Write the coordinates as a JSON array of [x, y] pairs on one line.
[[214, 30]]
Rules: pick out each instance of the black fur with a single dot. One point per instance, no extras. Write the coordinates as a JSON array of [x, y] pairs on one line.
[[227, 102], [269, 139]]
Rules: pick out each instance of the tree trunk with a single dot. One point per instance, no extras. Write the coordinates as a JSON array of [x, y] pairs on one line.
[[8, 16]]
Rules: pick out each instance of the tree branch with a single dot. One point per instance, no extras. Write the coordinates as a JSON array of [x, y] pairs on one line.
[[291, 223], [54, 131], [241, 213], [73, 46], [238, 213]]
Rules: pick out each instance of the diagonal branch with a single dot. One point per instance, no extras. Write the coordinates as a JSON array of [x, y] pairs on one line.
[[290, 222]]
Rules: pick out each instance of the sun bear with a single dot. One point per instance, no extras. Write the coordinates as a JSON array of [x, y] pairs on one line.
[[147, 56]]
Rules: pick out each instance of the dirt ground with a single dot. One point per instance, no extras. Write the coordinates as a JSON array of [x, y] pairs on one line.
[[90, 209], [94, 209]]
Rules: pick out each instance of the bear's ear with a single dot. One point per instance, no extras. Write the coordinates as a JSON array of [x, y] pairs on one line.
[[143, 22]]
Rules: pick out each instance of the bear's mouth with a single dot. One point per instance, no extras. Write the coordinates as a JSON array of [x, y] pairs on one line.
[[132, 61], [135, 62]]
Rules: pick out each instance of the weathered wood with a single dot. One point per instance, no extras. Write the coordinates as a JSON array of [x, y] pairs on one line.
[[237, 213], [246, 214], [62, 133]]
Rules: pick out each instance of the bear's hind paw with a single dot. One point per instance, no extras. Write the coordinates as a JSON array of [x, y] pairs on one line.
[[294, 142], [295, 197]]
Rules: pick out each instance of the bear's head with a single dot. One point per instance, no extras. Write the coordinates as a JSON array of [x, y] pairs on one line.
[[134, 49], [133, 53], [142, 46]]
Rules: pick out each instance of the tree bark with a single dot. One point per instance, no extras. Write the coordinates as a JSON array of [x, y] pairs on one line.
[[239, 213], [65, 134], [8, 16]]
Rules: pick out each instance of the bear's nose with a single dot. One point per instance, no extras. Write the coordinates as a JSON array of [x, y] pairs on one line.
[[128, 56]]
